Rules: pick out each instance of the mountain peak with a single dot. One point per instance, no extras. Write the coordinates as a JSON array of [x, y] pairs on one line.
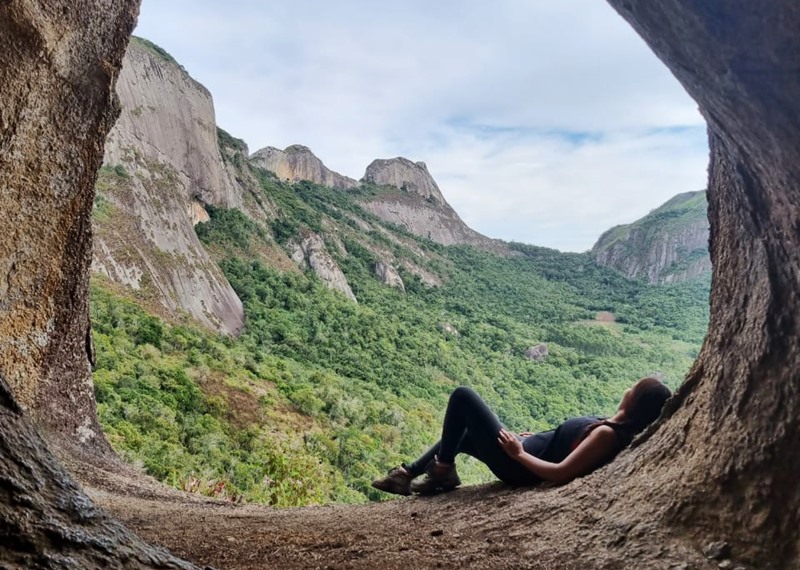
[[297, 162], [406, 175]]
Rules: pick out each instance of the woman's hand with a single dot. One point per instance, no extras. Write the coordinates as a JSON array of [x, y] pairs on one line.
[[510, 444], [526, 433]]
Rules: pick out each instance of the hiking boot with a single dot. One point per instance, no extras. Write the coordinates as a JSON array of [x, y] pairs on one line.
[[397, 482], [439, 478]]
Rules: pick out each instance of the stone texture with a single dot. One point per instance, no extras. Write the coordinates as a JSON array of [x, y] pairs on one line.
[[60, 62], [669, 245], [309, 252], [409, 176], [56, 86], [296, 163], [164, 145], [538, 353], [168, 118], [419, 207], [387, 274], [737, 59]]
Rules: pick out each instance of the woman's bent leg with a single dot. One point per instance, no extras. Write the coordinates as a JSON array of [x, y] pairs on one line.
[[465, 411], [474, 428]]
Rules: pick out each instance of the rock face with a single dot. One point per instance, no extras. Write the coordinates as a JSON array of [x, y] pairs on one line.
[[538, 353], [57, 96], [669, 245], [388, 275], [297, 163], [60, 62], [737, 59], [310, 253], [162, 163], [419, 207], [409, 176], [168, 117]]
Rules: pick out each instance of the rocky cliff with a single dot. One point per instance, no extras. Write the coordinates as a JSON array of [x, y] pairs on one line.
[[297, 163], [419, 205], [668, 245], [309, 252], [412, 177], [162, 163]]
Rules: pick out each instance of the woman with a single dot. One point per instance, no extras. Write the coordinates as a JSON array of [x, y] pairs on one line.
[[575, 448]]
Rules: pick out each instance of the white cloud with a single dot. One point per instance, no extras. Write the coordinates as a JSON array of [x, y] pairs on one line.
[[485, 93]]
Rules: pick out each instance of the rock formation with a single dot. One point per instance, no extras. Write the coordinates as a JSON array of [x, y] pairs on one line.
[[388, 275], [60, 62], [538, 353], [736, 59], [668, 245], [297, 163], [409, 176], [419, 207], [162, 163], [309, 252]]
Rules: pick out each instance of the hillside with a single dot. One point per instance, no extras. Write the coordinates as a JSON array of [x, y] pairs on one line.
[[668, 245], [355, 325], [320, 393]]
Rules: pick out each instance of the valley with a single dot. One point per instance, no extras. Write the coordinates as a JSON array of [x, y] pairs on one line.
[[347, 323]]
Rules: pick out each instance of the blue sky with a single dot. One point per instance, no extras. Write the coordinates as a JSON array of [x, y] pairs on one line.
[[542, 122]]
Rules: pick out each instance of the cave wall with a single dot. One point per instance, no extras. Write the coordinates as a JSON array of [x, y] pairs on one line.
[[60, 61], [725, 463]]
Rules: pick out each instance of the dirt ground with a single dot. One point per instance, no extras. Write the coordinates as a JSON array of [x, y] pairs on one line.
[[487, 527]]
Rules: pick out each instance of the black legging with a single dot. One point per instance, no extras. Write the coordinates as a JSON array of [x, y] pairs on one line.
[[471, 427]]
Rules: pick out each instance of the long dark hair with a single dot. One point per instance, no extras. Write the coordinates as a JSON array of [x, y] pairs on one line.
[[648, 399]]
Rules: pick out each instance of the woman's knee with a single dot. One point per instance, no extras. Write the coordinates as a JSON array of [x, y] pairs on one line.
[[463, 393]]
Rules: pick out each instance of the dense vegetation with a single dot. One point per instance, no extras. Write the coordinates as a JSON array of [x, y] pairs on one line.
[[320, 394]]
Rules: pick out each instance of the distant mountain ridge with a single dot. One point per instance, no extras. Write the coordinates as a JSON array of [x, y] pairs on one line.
[[668, 245], [166, 163], [420, 207]]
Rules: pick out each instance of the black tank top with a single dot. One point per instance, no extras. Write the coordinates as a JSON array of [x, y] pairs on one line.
[[555, 445]]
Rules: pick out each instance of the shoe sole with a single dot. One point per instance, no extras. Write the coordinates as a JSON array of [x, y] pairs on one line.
[[436, 490], [392, 490]]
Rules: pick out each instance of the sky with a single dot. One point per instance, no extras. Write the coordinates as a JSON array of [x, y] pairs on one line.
[[542, 122]]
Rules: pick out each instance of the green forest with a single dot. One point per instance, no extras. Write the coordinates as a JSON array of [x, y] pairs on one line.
[[319, 395]]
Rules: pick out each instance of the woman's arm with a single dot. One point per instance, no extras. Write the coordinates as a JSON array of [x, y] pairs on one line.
[[590, 454]]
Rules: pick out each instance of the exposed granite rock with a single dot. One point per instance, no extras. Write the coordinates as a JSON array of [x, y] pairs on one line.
[[419, 205], [310, 253], [427, 277], [438, 223], [538, 353], [235, 160], [168, 117], [162, 164], [669, 245], [449, 329], [388, 275], [296, 163], [57, 76], [408, 176], [60, 62]]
